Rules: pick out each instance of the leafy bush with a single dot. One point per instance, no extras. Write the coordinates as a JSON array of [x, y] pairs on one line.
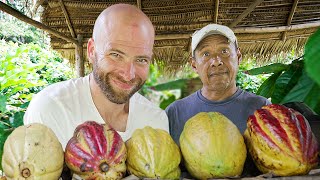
[[24, 70]]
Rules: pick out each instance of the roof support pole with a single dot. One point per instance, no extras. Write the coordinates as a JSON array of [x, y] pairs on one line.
[[79, 57], [68, 21], [245, 13], [216, 11], [139, 4], [293, 9]]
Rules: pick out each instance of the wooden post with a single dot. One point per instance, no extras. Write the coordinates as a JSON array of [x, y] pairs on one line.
[[79, 57], [216, 12]]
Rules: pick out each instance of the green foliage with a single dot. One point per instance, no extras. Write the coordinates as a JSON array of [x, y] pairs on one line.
[[291, 84], [247, 81], [286, 81], [176, 84], [312, 56], [272, 68], [24, 70], [267, 87]]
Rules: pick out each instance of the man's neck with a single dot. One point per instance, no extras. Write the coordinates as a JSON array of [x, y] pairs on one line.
[[113, 114], [218, 95]]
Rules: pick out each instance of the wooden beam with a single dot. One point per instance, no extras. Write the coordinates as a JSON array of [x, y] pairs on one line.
[[139, 4], [245, 13], [252, 30], [172, 36], [277, 29], [79, 57], [66, 16], [216, 12], [293, 9], [34, 23]]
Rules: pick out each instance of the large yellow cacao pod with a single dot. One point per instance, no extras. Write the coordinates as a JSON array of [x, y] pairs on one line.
[[152, 153], [212, 146], [32, 152], [280, 141]]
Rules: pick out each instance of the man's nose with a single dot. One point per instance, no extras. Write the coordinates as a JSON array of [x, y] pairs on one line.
[[216, 61], [128, 71]]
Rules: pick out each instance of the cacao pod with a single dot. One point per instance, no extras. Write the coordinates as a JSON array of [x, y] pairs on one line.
[[96, 151], [280, 141], [32, 152], [152, 153], [212, 146]]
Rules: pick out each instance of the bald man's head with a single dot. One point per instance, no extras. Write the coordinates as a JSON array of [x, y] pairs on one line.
[[125, 24]]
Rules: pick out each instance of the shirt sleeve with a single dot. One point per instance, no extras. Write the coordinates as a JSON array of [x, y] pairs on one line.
[[43, 109]]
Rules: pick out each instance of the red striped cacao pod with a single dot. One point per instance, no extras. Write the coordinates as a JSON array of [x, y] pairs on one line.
[[96, 151], [280, 141]]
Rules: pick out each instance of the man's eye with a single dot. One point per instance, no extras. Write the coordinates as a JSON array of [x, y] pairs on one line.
[[143, 61], [225, 51], [116, 55], [206, 54]]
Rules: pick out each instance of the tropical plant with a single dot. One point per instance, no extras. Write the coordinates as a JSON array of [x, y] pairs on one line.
[[24, 70], [289, 83]]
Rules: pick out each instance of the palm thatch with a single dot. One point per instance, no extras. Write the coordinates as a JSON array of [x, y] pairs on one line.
[[264, 27]]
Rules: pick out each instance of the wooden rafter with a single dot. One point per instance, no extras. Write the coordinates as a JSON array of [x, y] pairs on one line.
[[293, 9], [216, 12], [68, 21], [139, 4], [245, 13], [248, 30], [277, 29], [32, 22]]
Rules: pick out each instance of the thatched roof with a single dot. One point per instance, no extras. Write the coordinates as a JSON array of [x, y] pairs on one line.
[[263, 28]]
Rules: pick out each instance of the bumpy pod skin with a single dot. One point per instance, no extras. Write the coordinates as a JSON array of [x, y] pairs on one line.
[[96, 151], [280, 141], [212, 146], [32, 152], [152, 153]]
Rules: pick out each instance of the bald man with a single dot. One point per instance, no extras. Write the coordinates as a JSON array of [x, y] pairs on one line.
[[120, 51]]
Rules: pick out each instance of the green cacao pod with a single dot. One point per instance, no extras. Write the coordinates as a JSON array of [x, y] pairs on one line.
[[280, 141], [96, 151], [212, 146], [152, 153]]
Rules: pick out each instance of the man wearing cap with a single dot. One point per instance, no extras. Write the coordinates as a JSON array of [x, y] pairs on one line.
[[215, 57]]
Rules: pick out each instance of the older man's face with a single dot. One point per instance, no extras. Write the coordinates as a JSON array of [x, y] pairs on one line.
[[216, 61]]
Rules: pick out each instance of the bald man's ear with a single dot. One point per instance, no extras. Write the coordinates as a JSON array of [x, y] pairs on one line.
[[90, 50]]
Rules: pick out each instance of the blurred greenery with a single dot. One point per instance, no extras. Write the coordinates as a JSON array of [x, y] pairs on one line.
[[25, 69]]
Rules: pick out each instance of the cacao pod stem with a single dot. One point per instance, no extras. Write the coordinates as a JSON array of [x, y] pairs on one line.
[[25, 173], [104, 167]]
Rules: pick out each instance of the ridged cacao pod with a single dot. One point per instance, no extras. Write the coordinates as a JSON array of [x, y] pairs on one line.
[[96, 151], [32, 152], [152, 153], [212, 146], [280, 141]]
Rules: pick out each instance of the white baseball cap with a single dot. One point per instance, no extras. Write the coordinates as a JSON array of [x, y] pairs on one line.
[[211, 29]]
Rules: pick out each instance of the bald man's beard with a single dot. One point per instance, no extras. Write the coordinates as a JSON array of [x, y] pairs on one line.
[[115, 95]]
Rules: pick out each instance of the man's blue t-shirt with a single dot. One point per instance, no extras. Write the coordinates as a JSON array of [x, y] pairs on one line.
[[237, 108]]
